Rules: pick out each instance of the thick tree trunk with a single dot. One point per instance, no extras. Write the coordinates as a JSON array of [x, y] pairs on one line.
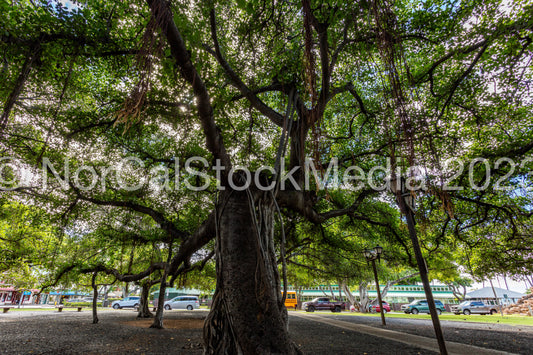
[[144, 310], [158, 319], [247, 315]]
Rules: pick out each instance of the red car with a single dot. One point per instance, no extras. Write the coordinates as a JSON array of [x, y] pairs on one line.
[[374, 308]]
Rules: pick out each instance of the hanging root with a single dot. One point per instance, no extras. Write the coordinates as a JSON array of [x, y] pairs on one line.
[[151, 48], [219, 336]]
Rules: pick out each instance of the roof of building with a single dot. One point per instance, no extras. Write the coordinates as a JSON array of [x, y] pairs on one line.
[[487, 292], [180, 291], [69, 293], [415, 291]]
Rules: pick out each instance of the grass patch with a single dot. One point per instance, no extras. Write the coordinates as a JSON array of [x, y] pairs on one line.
[[473, 318]]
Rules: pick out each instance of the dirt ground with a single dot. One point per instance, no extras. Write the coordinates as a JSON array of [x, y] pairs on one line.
[[119, 332], [169, 323]]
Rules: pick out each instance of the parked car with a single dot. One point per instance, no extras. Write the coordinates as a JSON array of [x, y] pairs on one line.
[[374, 308], [422, 306], [323, 304], [132, 301], [475, 307], [183, 302]]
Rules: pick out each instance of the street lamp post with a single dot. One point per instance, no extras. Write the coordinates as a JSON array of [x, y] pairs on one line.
[[371, 255], [406, 202]]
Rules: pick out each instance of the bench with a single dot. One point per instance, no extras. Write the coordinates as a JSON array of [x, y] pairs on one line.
[[5, 309], [60, 308]]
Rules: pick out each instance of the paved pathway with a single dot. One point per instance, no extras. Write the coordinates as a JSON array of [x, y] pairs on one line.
[[410, 339]]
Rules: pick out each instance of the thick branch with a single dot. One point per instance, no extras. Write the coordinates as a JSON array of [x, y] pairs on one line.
[[299, 201], [33, 55], [186, 267], [456, 83], [125, 277], [165, 21], [205, 233], [158, 217], [269, 88], [236, 81], [321, 29]]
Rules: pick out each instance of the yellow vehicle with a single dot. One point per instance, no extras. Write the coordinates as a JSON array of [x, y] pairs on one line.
[[290, 300]]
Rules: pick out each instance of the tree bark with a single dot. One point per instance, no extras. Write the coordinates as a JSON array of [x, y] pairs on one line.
[[144, 310], [331, 291], [158, 319], [347, 293], [95, 298], [456, 292], [247, 315], [364, 300], [106, 295], [394, 282], [33, 55]]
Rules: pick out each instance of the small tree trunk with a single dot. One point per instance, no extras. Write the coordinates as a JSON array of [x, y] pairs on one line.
[[95, 298], [505, 280], [158, 319], [106, 293], [331, 291], [247, 316], [526, 281], [348, 293], [322, 290], [144, 310], [364, 300]]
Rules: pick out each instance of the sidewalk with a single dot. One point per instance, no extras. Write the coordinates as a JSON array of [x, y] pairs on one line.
[[16, 306], [405, 338]]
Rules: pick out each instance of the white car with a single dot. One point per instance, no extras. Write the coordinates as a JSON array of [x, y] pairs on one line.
[[183, 302], [132, 301]]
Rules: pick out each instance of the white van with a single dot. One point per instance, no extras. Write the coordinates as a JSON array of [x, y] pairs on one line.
[[132, 301], [183, 302]]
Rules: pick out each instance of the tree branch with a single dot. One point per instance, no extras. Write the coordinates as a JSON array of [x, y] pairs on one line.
[[259, 105], [33, 55], [205, 233], [158, 217], [125, 277], [165, 21]]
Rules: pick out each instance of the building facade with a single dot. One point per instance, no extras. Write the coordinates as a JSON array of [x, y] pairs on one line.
[[396, 294]]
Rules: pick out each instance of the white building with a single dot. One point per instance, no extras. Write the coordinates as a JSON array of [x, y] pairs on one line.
[[503, 296]]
